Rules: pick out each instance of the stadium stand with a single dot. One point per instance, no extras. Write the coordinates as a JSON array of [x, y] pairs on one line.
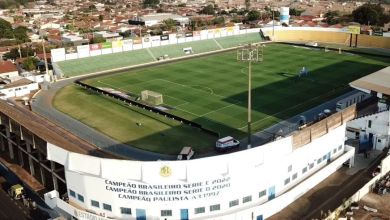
[[116, 60]]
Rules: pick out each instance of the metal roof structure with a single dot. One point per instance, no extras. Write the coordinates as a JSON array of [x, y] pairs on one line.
[[378, 81]]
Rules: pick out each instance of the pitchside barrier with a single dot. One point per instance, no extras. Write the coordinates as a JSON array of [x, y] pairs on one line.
[[336, 49], [322, 127], [146, 107]]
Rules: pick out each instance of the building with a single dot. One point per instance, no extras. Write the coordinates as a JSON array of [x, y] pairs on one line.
[[155, 19], [373, 129], [16, 87], [8, 69]]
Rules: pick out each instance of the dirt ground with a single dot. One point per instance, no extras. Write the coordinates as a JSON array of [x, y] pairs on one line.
[[372, 200]]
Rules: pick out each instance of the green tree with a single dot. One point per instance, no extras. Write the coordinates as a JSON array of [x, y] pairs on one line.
[[332, 17], [30, 63], [5, 29], [373, 14], [208, 10], [168, 24], [253, 15], [20, 34], [101, 17], [150, 3], [219, 20], [97, 39], [295, 11]]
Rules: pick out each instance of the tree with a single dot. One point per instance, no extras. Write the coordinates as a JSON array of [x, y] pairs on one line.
[[20, 34], [150, 3], [92, 7], [30, 63], [219, 20], [295, 12], [97, 39], [101, 17], [372, 14], [208, 10], [168, 24], [5, 29], [253, 15], [332, 17]]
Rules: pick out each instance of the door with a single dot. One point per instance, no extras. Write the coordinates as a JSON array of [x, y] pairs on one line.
[[183, 214], [328, 157], [140, 214], [259, 217], [370, 140], [271, 193]]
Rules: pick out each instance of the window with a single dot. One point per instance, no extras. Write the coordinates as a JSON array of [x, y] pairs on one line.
[[334, 150], [95, 203], [126, 211], [311, 165], [294, 176], [324, 157], [80, 198], [246, 199], [25, 87], [200, 210], [369, 123], [215, 207], [287, 181], [289, 168], [340, 147], [233, 203], [10, 90], [262, 193], [72, 193], [166, 212], [304, 170], [319, 160], [107, 207]]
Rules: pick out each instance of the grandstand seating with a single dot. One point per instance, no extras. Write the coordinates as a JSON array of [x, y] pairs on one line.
[[122, 59]]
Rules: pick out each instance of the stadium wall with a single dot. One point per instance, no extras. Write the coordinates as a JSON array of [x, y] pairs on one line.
[[325, 35], [219, 187]]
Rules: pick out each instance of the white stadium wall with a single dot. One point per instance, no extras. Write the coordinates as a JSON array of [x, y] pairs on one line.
[[257, 187], [153, 41]]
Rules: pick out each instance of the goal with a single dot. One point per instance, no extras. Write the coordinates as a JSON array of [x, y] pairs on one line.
[[152, 97]]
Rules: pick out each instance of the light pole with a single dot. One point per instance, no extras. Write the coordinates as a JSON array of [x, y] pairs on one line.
[[250, 53]]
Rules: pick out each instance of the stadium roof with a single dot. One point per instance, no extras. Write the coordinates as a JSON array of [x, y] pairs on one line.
[[51, 132], [378, 82]]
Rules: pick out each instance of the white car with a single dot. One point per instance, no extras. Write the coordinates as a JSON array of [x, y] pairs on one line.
[[226, 143]]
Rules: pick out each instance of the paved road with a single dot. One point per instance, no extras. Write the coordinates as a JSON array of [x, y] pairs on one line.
[[42, 104]]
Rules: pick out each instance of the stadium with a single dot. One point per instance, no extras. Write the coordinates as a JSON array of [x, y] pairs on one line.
[[161, 93]]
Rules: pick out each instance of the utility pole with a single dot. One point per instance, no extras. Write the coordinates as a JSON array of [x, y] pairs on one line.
[[44, 57], [250, 53]]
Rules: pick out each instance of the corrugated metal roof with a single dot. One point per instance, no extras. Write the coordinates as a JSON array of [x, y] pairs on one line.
[[378, 81]]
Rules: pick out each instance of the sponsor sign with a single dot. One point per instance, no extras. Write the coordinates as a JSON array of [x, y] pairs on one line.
[[70, 50], [230, 29], [352, 29], [117, 44], [164, 37], [137, 40], [179, 35], [106, 45], [95, 46], [146, 39], [189, 34], [196, 33], [81, 215]]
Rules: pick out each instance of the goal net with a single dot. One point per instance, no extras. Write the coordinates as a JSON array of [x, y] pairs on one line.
[[152, 97]]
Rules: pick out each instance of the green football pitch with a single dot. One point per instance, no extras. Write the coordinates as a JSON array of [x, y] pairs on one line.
[[212, 90]]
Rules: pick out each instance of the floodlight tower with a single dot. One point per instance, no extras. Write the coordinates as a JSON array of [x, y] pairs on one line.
[[250, 53]]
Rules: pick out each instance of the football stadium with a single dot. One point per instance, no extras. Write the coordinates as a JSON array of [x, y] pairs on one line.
[[158, 94]]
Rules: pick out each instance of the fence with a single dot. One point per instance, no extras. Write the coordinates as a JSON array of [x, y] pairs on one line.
[[322, 127]]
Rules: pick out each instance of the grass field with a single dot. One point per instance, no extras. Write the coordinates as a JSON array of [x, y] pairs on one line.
[[212, 91]]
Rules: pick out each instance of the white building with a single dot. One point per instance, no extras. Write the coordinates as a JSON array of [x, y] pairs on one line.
[[17, 87], [219, 187], [374, 129], [154, 19], [8, 69]]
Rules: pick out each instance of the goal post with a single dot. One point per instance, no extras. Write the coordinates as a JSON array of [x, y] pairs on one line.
[[152, 97]]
